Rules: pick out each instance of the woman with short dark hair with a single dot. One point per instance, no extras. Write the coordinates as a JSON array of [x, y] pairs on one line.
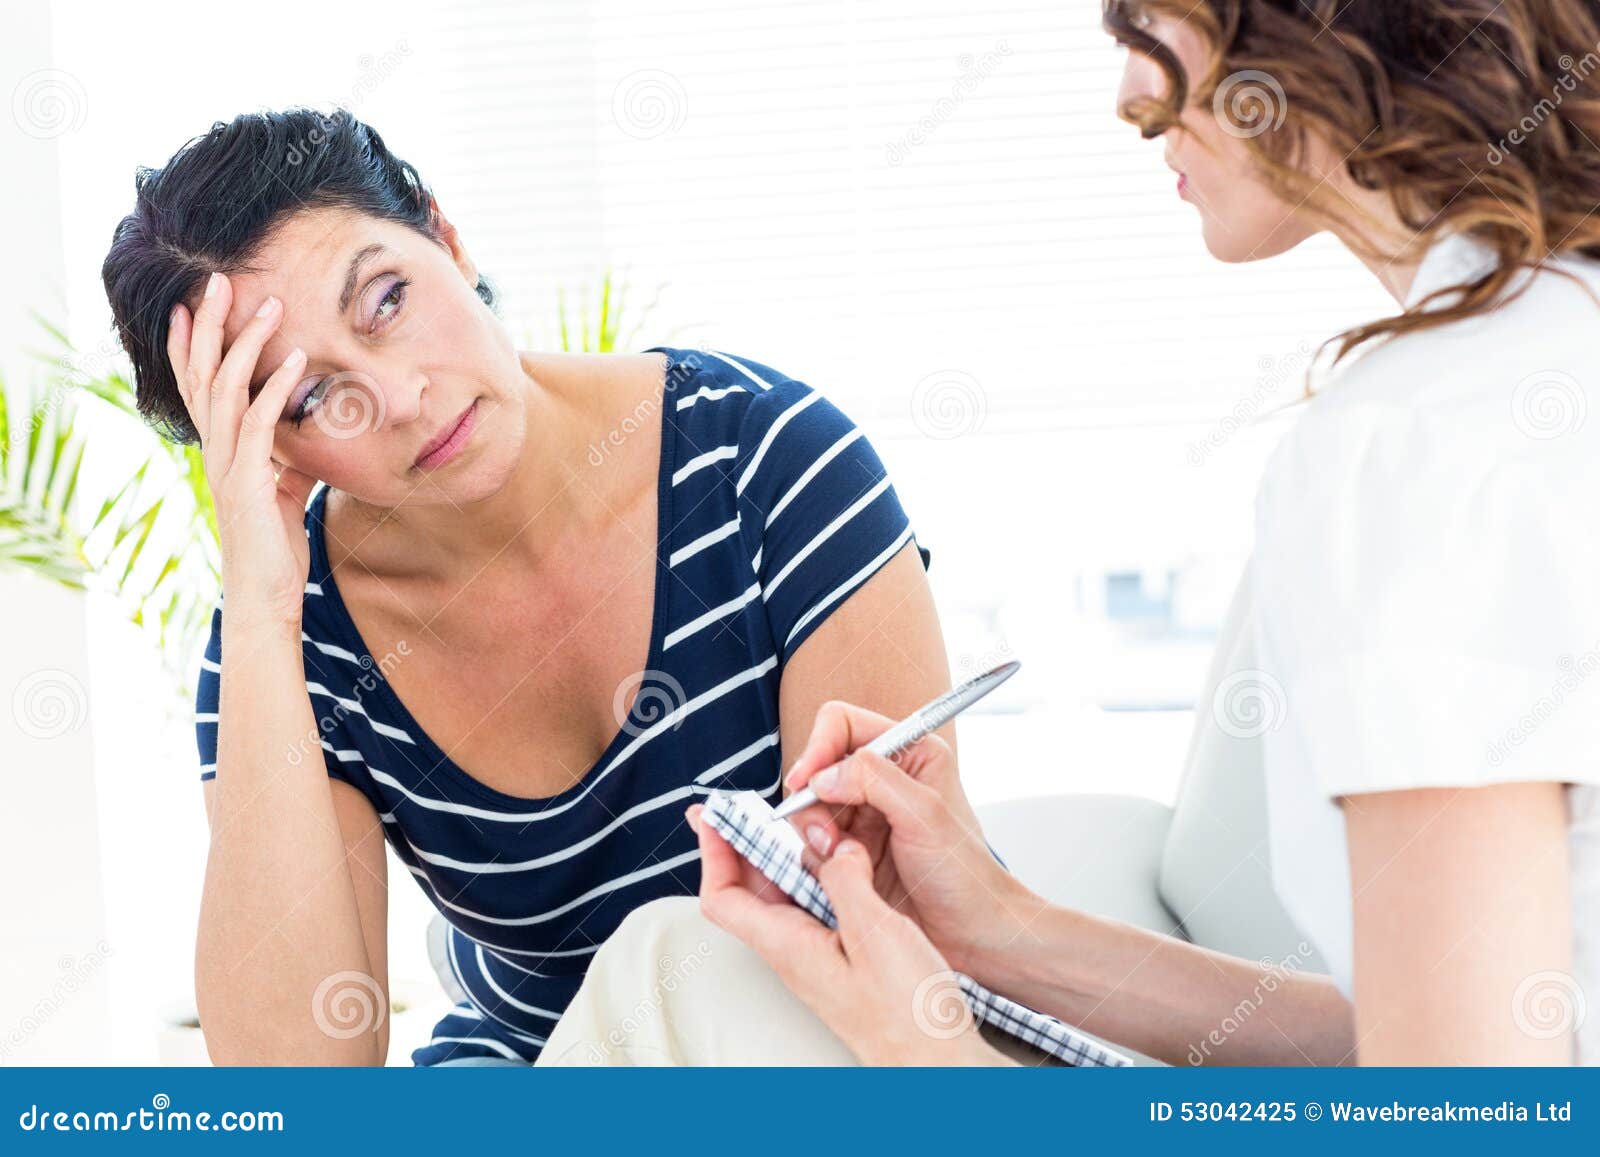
[[541, 602]]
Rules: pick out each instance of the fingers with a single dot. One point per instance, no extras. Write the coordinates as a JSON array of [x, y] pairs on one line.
[[230, 387], [820, 826], [847, 878], [260, 421], [205, 342], [780, 933], [719, 863], [839, 729], [868, 778], [864, 825], [742, 873], [296, 485], [180, 326]]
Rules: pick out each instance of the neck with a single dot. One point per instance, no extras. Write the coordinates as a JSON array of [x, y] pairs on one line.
[[1380, 240]]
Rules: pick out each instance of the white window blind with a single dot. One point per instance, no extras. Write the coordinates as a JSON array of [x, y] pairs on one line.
[[864, 194]]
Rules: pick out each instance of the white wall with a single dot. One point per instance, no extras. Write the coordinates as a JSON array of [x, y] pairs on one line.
[[55, 958]]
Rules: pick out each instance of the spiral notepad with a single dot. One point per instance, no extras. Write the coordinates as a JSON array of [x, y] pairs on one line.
[[745, 820]]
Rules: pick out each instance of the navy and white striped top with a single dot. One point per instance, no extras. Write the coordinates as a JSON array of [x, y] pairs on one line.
[[772, 509]]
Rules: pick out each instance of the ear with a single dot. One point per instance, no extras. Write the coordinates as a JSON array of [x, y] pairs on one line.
[[450, 238]]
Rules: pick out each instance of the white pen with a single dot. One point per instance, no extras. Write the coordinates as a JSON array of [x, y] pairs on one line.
[[923, 721]]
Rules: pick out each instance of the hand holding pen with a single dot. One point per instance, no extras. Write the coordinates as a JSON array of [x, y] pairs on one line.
[[924, 721], [909, 811]]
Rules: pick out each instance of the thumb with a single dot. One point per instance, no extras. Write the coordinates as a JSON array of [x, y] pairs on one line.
[[295, 484], [846, 876]]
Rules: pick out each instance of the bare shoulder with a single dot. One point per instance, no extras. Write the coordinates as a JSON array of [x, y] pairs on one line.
[[612, 380], [620, 396]]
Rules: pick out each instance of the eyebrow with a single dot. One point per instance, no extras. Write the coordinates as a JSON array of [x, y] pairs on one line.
[[362, 256], [351, 275]]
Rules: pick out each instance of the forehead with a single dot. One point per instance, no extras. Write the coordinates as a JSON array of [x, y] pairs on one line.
[[303, 263]]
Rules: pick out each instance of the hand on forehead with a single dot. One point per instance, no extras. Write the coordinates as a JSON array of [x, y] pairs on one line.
[[300, 264]]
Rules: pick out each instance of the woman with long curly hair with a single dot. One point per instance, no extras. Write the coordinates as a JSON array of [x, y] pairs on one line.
[[1409, 662]]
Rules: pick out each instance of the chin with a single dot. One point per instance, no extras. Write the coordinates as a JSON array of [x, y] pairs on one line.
[[1247, 241]]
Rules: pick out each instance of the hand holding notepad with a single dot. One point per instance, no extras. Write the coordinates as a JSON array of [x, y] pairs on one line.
[[748, 824]]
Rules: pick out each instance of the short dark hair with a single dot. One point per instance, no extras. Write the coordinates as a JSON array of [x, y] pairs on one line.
[[217, 201]]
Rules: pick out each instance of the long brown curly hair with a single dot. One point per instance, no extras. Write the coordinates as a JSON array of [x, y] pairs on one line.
[[1471, 115]]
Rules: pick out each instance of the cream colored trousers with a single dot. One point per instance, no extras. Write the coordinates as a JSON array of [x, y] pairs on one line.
[[671, 988]]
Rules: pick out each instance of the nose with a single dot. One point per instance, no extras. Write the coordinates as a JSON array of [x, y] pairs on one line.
[[1142, 79], [402, 396], [371, 399]]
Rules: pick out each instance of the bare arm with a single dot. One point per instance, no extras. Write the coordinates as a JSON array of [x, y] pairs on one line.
[[1169, 999], [291, 952], [882, 649], [1463, 926], [291, 920]]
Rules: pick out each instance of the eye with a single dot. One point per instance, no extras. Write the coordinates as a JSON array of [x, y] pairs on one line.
[[309, 402], [389, 305]]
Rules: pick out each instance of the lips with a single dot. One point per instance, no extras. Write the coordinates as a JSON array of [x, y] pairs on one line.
[[447, 437]]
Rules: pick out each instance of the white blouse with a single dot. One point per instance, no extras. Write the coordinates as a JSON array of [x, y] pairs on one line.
[[1422, 608]]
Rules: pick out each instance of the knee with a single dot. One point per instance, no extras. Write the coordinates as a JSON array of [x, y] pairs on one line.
[[671, 931], [670, 946]]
